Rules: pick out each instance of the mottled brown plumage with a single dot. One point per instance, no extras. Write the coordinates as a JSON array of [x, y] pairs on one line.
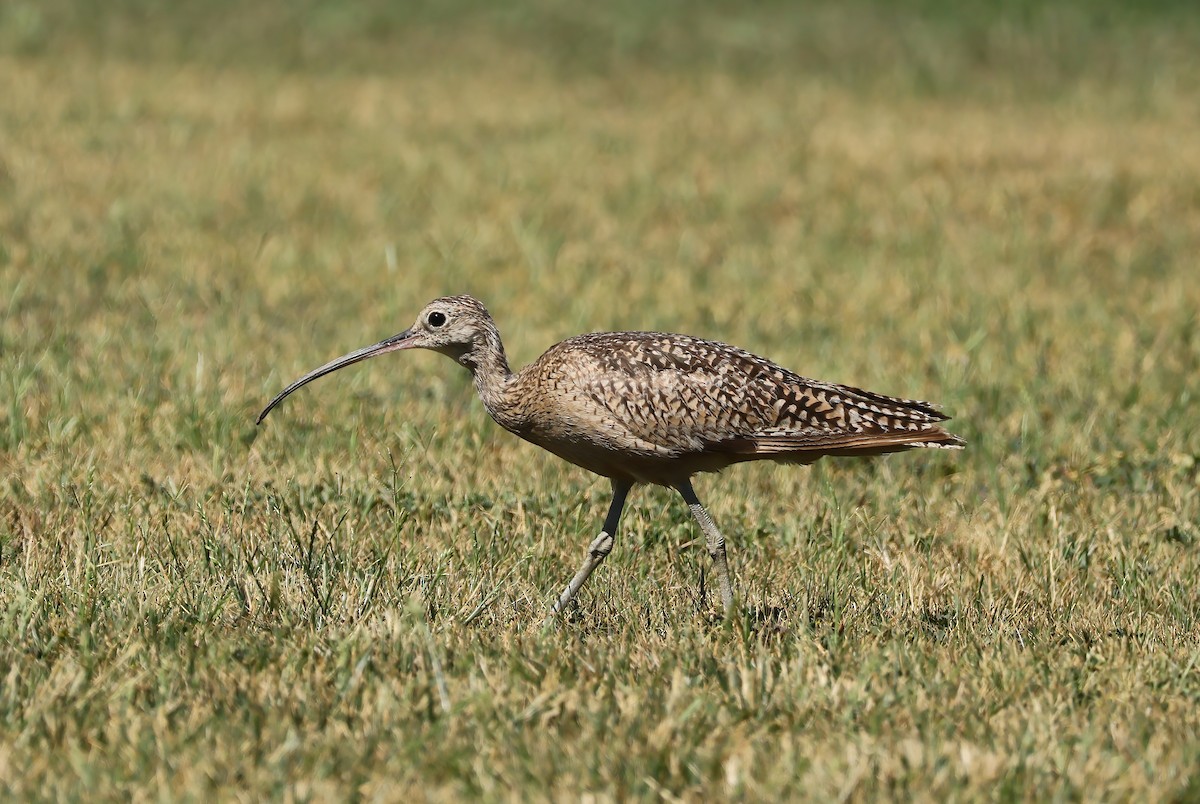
[[653, 407]]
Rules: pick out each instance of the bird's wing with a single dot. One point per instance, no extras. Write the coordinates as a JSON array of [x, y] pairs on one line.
[[687, 395], [811, 416]]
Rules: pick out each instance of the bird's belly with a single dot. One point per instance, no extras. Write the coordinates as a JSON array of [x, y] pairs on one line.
[[610, 457]]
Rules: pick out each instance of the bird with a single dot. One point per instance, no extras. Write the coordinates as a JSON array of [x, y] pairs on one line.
[[657, 408]]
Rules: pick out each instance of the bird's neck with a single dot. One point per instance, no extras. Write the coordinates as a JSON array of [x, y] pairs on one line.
[[489, 367]]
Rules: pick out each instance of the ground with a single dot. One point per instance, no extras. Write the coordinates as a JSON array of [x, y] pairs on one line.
[[995, 208]]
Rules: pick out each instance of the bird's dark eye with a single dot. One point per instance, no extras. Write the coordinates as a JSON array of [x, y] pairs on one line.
[[436, 319]]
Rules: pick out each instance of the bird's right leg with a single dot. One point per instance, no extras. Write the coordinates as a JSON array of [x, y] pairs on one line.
[[598, 550], [716, 543]]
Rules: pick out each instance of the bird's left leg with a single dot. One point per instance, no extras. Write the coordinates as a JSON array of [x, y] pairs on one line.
[[716, 543], [598, 550]]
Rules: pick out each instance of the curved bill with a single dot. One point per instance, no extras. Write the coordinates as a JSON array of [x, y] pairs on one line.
[[405, 340]]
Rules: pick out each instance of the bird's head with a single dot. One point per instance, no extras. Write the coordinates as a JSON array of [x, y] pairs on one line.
[[459, 327]]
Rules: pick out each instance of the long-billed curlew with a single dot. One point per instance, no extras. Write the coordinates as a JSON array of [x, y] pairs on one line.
[[651, 407]]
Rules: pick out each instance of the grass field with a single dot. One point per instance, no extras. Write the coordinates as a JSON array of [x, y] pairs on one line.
[[993, 206]]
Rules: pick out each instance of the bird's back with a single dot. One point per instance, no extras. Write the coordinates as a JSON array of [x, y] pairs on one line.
[[657, 405]]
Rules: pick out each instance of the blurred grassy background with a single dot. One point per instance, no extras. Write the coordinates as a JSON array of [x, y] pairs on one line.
[[992, 205], [927, 46]]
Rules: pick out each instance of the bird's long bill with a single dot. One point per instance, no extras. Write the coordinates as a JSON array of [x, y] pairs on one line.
[[404, 340]]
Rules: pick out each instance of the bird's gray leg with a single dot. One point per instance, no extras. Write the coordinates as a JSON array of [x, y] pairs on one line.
[[716, 542], [599, 549]]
